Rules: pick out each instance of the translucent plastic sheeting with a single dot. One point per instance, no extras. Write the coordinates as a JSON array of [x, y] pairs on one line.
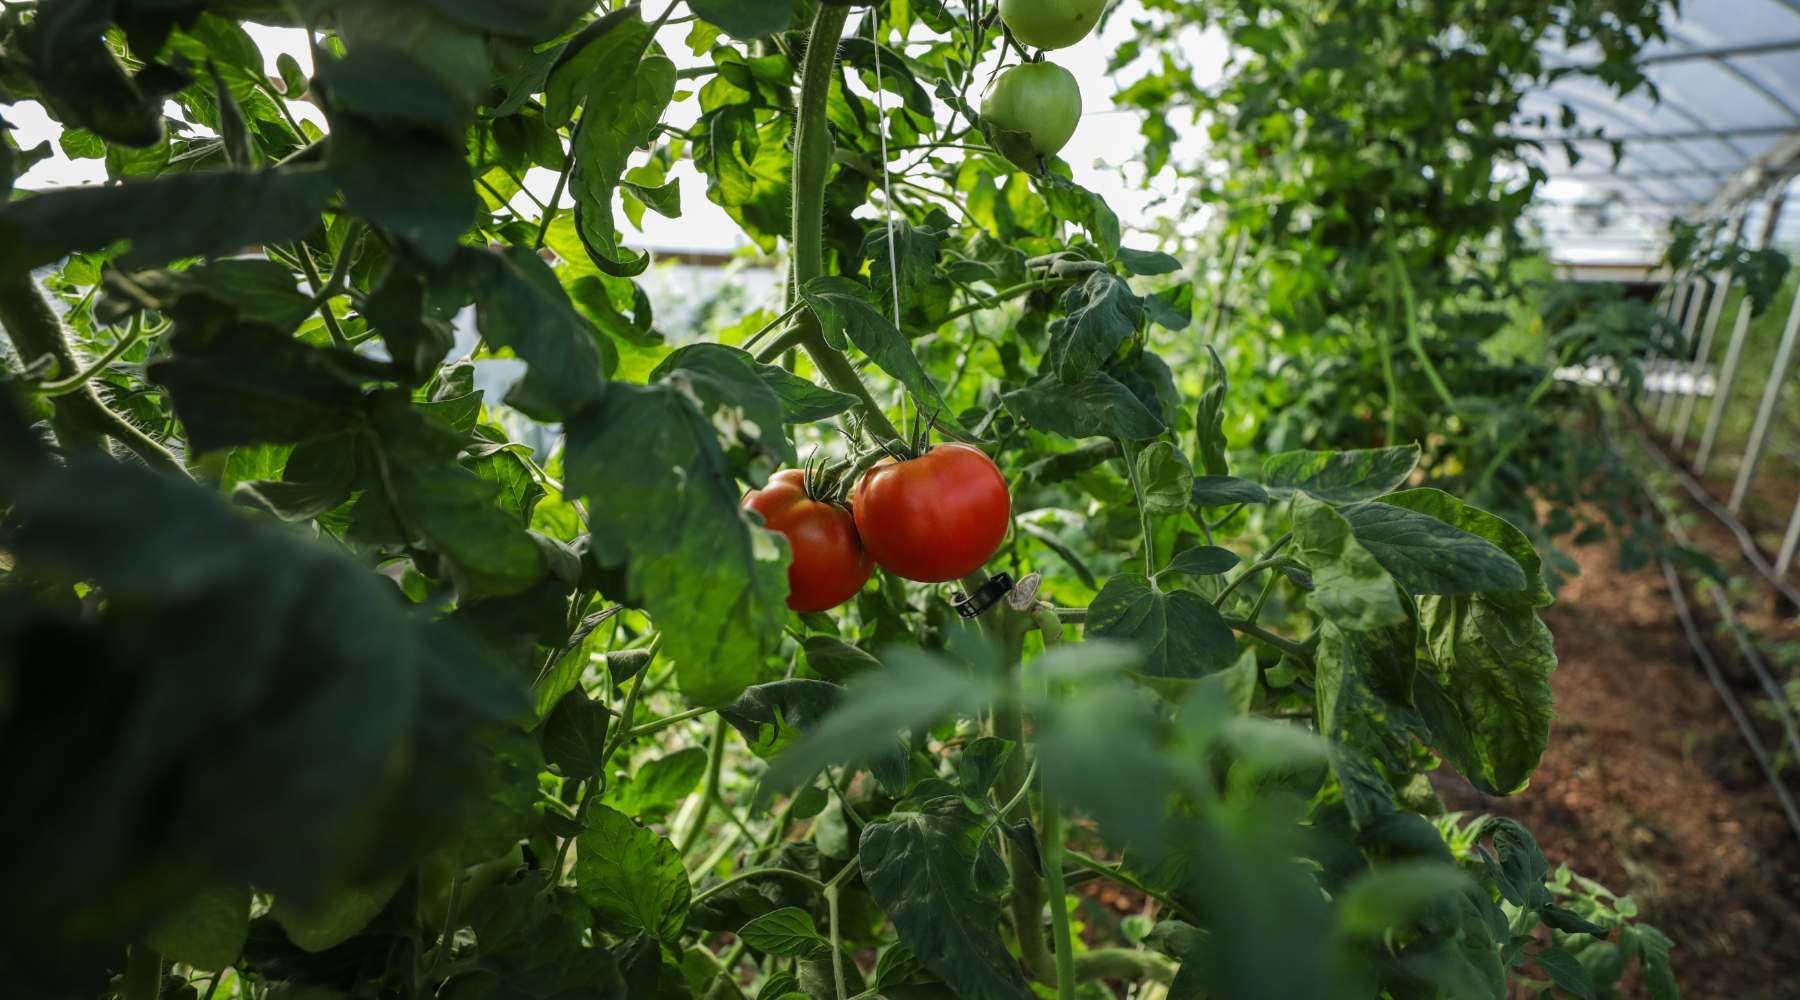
[[1726, 127]]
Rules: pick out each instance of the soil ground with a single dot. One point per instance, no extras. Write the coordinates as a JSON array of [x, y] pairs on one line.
[[1648, 788]]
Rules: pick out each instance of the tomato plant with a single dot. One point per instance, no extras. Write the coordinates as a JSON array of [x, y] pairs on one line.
[[829, 563], [380, 615]]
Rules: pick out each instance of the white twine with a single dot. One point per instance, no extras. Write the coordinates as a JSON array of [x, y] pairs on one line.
[[887, 181]]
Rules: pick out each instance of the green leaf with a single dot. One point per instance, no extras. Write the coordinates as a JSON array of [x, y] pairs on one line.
[[933, 875], [656, 788], [803, 402], [1361, 724], [529, 944], [207, 930], [246, 384], [1653, 957], [1180, 634], [1166, 477], [521, 305], [916, 689], [1225, 491], [1340, 476], [715, 583], [1351, 588], [836, 660], [1392, 897], [528, 20], [747, 18], [317, 927], [1203, 560], [1428, 556], [978, 766], [1490, 704], [1209, 418], [446, 506], [844, 311], [632, 875], [599, 60], [383, 84], [1097, 406], [174, 216], [429, 205], [734, 394], [1148, 263], [636, 93], [1103, 313], [1567, 971], [788, 931], [575, 735], [772, 716], [1450, 510]]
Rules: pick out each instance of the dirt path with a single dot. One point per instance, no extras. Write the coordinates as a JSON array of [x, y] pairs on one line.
[[1648, 788]]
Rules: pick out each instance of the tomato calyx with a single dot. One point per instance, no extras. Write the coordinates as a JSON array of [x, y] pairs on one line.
[[828, 481]]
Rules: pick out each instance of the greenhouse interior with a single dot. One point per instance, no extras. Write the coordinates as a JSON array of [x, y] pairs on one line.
[[899, 499]]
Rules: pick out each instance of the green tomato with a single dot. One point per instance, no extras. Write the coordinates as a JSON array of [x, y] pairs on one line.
[[1040, 100], [1051, 24]]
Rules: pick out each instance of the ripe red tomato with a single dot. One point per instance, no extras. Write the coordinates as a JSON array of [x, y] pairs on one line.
[[830, 564], [935, 518]]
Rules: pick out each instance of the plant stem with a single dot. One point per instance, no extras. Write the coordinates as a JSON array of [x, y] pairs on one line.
[[771, 326], [321, 294], [715, 765], [80, 419], [1410, 313], [812, 167], [1126, 964], [1027, 884], [1051, 848], [63, 387], [756, 873], [999, 297], [837, 944], [1288, 646], [1268, 560], [1137, 489], [143, 975], [663, 723]]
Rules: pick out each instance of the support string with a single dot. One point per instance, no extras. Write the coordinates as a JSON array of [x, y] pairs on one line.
[[887, 181]]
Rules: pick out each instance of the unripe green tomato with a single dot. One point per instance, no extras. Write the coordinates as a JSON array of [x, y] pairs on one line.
[[1051, 24], [1041, 100]]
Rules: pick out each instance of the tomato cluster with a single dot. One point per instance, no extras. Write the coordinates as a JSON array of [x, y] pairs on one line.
[[1040, 100], [930, 519]]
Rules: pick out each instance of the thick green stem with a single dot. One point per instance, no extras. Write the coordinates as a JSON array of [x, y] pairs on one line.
[[81, 420], [1149, 527], [812, 167], [1124, 964], [1015, 776], [1052, 849], [143, 975], [812, 141]]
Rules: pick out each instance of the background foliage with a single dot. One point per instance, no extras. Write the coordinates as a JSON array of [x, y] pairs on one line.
[[313, 671]]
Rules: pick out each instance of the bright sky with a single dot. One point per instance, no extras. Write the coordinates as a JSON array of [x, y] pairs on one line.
[[1107, 140]]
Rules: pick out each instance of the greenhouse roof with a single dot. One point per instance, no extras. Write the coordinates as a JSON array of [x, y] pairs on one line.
[[1725, 131]]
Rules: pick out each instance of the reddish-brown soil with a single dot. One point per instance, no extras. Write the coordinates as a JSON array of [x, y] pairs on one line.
[[1648, 788]]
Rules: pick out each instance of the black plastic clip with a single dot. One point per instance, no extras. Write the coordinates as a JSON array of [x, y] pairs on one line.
[[997, 587]]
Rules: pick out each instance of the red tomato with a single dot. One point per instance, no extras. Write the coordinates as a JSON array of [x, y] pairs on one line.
[[935, 518], [829, 565]]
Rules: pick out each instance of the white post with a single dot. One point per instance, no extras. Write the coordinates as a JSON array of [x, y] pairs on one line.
[[1721, 292], [1666, 408], [1789, 543], [1765, 413]]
